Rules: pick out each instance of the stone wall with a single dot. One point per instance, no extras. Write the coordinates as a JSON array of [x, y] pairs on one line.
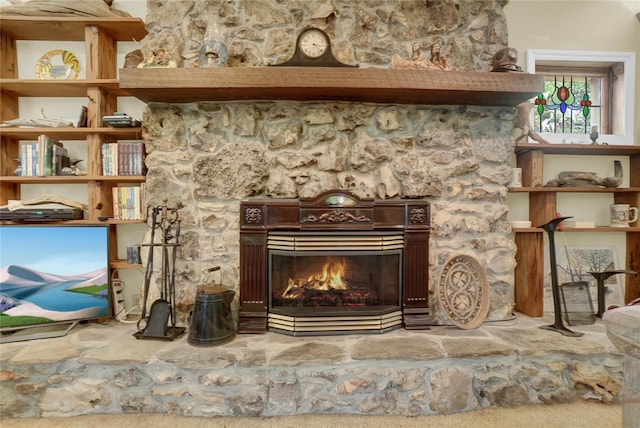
[[209, 156]]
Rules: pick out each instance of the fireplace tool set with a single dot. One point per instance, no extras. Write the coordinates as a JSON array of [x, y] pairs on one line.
[[161, 321]]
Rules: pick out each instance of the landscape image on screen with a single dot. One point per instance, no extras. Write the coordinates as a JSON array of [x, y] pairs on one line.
[[52, 274]]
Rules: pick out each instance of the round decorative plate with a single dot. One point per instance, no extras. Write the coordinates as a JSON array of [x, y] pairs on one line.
[[58, 64], [463, 292]]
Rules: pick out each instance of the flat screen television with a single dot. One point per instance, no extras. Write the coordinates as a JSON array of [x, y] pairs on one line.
[[51, 275]]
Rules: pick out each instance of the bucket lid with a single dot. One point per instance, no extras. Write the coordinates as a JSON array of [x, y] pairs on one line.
[[212, 289]]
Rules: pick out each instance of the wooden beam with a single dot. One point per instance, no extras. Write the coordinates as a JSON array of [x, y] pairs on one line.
[[377, 85]]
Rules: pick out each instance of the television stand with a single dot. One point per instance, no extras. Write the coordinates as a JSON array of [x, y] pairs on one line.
[[33, 332]]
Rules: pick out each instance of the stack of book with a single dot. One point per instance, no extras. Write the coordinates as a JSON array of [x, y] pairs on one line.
[[45, 157], [128, 202], [123, 158]]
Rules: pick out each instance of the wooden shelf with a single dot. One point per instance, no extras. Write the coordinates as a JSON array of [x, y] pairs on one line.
[[70, 28], [579, 149], [122, 264], [72, 179], [54, 88], [71, 133], [574, 189], [579, 229], [100, 89], [374, 85], [85, 222], [529, 272]]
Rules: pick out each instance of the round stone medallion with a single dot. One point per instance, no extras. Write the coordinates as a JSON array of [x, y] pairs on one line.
[[463, 292]]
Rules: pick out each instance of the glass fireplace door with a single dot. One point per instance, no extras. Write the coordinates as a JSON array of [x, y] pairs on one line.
[[330, 282]]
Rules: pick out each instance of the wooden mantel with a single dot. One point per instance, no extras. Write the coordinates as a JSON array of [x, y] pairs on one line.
[[374, 85]]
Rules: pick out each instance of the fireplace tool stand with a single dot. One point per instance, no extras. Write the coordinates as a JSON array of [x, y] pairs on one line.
[[557, 326], [161, 322]]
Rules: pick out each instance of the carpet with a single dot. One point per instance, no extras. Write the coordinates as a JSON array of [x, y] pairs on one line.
[[574, 415]]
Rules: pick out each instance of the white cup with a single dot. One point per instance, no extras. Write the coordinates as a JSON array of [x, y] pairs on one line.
[[622, 214]]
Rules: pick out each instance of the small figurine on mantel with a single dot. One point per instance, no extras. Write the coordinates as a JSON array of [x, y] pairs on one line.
[[593, 136], [505, 60], [417, 62], [158, 58]]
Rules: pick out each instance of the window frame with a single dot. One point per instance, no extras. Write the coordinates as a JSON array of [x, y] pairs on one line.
[[564, 58]]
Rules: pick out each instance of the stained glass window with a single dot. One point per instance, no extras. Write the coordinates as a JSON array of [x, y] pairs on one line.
[[571, 104]]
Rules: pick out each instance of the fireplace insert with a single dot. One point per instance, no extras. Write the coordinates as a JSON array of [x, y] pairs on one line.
[[333, 264], [334, 281]]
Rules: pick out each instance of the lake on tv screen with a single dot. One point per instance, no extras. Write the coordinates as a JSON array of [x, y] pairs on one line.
[[51, 274]]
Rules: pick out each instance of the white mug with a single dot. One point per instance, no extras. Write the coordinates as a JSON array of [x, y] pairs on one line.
[[621, 215]]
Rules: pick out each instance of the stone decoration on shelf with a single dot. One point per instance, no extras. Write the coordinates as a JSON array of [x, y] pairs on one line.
[[587, 179], [436, 62]]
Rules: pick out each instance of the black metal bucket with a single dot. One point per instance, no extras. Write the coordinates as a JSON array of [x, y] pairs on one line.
[[211, 321]]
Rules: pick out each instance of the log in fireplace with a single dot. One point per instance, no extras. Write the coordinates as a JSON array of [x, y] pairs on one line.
[[333, 264]]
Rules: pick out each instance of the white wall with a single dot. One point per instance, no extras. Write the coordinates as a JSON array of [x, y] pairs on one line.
[[603, 25]]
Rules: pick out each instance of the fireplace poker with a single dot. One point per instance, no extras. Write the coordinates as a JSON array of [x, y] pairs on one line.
[[142, 322]]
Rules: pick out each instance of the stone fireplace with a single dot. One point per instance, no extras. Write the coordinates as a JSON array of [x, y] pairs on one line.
[[334, 263], [218, 137]]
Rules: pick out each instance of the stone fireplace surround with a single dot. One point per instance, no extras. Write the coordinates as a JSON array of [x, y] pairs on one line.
[[211, 148]]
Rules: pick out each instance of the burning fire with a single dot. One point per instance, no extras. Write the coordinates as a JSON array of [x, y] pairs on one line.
[[330, 278]]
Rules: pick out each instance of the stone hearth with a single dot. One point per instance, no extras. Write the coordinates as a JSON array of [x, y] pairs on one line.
[[104, 369]]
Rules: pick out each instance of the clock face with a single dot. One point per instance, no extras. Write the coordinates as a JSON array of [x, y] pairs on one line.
[[313, 43]]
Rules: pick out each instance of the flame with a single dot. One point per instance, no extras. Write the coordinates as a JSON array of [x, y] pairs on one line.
[[329, 278]]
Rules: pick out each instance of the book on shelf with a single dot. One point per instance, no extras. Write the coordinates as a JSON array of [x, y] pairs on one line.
[[45, 157], [59, 159], [124, 159], [82, 118], [45, 150], [128, 202]]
